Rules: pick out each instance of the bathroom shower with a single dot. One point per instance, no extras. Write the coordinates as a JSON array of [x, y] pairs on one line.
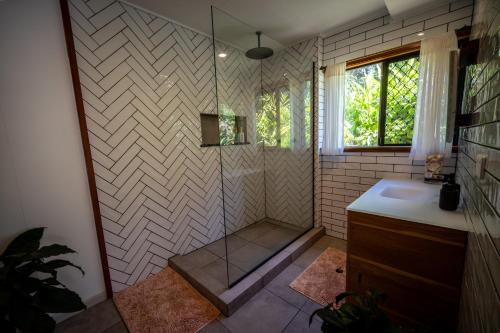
[[266, 176], [259, 52]]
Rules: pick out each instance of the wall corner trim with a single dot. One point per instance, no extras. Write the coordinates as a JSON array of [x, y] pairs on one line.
[[68, 34]]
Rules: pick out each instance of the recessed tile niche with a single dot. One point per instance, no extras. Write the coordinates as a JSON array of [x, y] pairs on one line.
[[223, 130]]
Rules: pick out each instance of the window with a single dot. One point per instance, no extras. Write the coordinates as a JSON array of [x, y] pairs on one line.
[[380, 103]]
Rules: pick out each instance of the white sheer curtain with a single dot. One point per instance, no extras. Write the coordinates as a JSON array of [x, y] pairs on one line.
[[429, 131], [333, 138]]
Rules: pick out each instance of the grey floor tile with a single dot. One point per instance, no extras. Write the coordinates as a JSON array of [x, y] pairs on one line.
[[95, 319], [286, 225], [277, 238], [117, 328], [218, 270], [308, 257], [327, 241], [215, 327], [300, 324], [233, 243], [195, 259], [310, 306], [248, 257], [279, 286], [264, 312], [214, 285], [255, 231]]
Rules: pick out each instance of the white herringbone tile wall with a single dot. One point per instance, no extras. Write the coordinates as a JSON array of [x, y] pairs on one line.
[[289, 172], [145, 81], [238, 86]]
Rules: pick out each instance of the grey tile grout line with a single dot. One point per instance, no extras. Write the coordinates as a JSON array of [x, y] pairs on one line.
[[288, 324], [299, 309]]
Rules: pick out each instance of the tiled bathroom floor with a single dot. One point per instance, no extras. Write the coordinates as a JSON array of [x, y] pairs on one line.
[[276, 308], [246, 248]]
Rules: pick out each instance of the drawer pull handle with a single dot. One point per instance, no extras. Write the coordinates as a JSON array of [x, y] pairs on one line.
[[339, 270]]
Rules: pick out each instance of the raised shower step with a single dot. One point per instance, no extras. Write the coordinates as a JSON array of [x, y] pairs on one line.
[[229, 300]]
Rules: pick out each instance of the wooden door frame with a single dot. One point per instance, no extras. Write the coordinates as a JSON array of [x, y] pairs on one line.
[[70, 47]]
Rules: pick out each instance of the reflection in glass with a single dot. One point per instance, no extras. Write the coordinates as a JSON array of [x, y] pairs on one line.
[[266, 182]]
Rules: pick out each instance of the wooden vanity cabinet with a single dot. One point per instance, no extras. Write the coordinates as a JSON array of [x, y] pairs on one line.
[[418, 266]]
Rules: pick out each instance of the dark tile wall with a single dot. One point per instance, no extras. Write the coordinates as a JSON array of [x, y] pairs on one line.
[[480, 304]]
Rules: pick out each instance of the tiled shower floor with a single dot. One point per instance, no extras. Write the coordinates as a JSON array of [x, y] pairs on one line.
[[247, 248]]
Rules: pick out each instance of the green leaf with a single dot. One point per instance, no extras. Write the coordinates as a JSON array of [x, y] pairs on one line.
[[7, 326], [51, 281], [50, 251], [52, 265], [28, 268], [5, 295], [31, 319], [58, 300], [311, 317], [26, 242], [49, 267], [29, 284], [349, 310], [333, 319], [343, 295]]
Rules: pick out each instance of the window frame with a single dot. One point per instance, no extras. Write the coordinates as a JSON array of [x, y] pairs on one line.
[[463, 35], [383, 99], [382, 116]]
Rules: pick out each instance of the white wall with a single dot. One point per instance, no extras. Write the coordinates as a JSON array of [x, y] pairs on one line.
[[42, 171]]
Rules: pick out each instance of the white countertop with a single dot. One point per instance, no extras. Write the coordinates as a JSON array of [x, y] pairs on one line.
[[421, 207]]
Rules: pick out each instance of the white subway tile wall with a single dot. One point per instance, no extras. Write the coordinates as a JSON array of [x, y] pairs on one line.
[[385, 33], [480, 303], [345, 177]]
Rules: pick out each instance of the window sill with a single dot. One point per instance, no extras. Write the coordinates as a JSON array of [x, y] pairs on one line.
[[392, 149], [384, 149], [203, 145]]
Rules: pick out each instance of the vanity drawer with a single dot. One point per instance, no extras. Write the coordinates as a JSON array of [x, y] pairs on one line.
[[430, 252], [410, 300]]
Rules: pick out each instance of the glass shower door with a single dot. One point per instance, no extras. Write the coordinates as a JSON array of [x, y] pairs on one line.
[[264, 110]]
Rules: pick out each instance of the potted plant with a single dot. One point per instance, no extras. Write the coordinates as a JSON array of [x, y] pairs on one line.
[[360, 315], [29, 288]]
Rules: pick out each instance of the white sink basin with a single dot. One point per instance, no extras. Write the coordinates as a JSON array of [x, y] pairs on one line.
[[409, 200], [402, 193]]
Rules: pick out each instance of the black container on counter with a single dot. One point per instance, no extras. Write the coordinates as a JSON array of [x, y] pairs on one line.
[[449, 196]]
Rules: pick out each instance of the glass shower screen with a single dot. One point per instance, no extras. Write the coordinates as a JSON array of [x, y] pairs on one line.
[[264, 107]]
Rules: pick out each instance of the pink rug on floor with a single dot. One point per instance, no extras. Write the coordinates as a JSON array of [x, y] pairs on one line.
[[164, 303], [325, 278]]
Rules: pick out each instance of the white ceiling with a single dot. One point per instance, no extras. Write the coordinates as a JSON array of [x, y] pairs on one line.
[[287, 21], [397, 8]]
